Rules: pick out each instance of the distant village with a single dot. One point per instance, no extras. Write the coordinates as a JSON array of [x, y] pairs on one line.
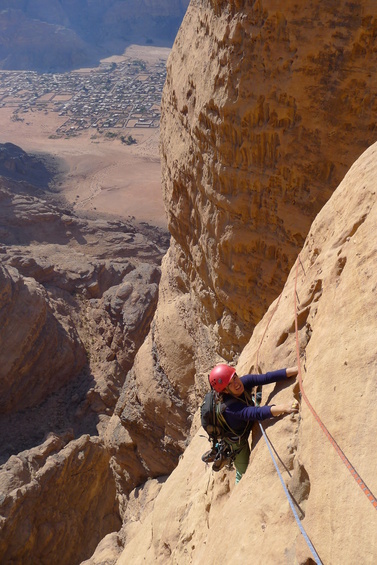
[[107, 99]]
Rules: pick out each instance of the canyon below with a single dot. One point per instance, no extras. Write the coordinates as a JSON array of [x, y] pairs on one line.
[[244, 232]]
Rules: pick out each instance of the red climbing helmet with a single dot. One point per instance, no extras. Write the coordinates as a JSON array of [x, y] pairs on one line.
[[220, 376]]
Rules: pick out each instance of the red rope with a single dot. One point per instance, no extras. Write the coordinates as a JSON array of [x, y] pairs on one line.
[[347, 463]]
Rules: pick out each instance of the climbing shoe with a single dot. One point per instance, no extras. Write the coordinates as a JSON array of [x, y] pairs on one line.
[[210, 455], [220, 461]]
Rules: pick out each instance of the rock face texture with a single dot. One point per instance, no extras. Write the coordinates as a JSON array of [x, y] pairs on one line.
[[264, 109], [331, 294], [273, 107], [57, 35], [38, 355], [84, 508], [77, 297]]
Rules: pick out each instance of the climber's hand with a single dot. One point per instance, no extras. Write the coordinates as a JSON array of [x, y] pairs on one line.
[[290, 408]]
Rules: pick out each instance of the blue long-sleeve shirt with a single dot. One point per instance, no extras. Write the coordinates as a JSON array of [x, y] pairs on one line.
[[237, 414]]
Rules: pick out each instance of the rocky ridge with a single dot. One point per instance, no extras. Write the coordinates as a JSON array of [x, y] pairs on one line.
[[56, 36], [77, 296]]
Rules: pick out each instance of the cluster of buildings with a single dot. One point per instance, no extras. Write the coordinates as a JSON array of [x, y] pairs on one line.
[[115, 95]]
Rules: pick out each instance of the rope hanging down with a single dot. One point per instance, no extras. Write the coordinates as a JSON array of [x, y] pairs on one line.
[[347, 463], [306, 537], [302, 529]]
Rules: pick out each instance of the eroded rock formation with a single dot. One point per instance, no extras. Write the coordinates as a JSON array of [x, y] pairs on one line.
[[61, 490], [37, 353], [263, 112], [77, 296]]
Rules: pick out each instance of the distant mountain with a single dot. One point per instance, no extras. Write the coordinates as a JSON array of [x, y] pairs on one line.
[[59, 35]]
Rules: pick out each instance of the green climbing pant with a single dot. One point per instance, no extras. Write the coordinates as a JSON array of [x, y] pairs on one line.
[[241, 461]]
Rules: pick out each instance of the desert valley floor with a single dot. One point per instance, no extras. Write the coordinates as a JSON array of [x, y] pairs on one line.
[[98, 173]]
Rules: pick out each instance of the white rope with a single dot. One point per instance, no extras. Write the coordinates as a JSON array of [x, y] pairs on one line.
[[306, 537]]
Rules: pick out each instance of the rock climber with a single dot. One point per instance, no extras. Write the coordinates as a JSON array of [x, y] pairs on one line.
[[239, 412]]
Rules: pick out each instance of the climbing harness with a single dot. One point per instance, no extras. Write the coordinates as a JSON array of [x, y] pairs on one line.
[[220, 455], [226, 442]]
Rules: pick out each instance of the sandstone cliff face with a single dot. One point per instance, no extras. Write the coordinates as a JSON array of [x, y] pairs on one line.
[[264, 109], [203, 517], [75, 493], [258, 129]]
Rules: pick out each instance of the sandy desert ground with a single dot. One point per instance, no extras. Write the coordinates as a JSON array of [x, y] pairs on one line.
[[99, 174]]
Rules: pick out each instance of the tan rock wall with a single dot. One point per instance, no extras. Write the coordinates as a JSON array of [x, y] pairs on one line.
[[203, 517], [265, 107], [153, 409], [58, 500]]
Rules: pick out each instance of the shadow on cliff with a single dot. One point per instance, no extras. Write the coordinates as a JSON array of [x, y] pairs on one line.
[[65, 410], [31, 208]]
